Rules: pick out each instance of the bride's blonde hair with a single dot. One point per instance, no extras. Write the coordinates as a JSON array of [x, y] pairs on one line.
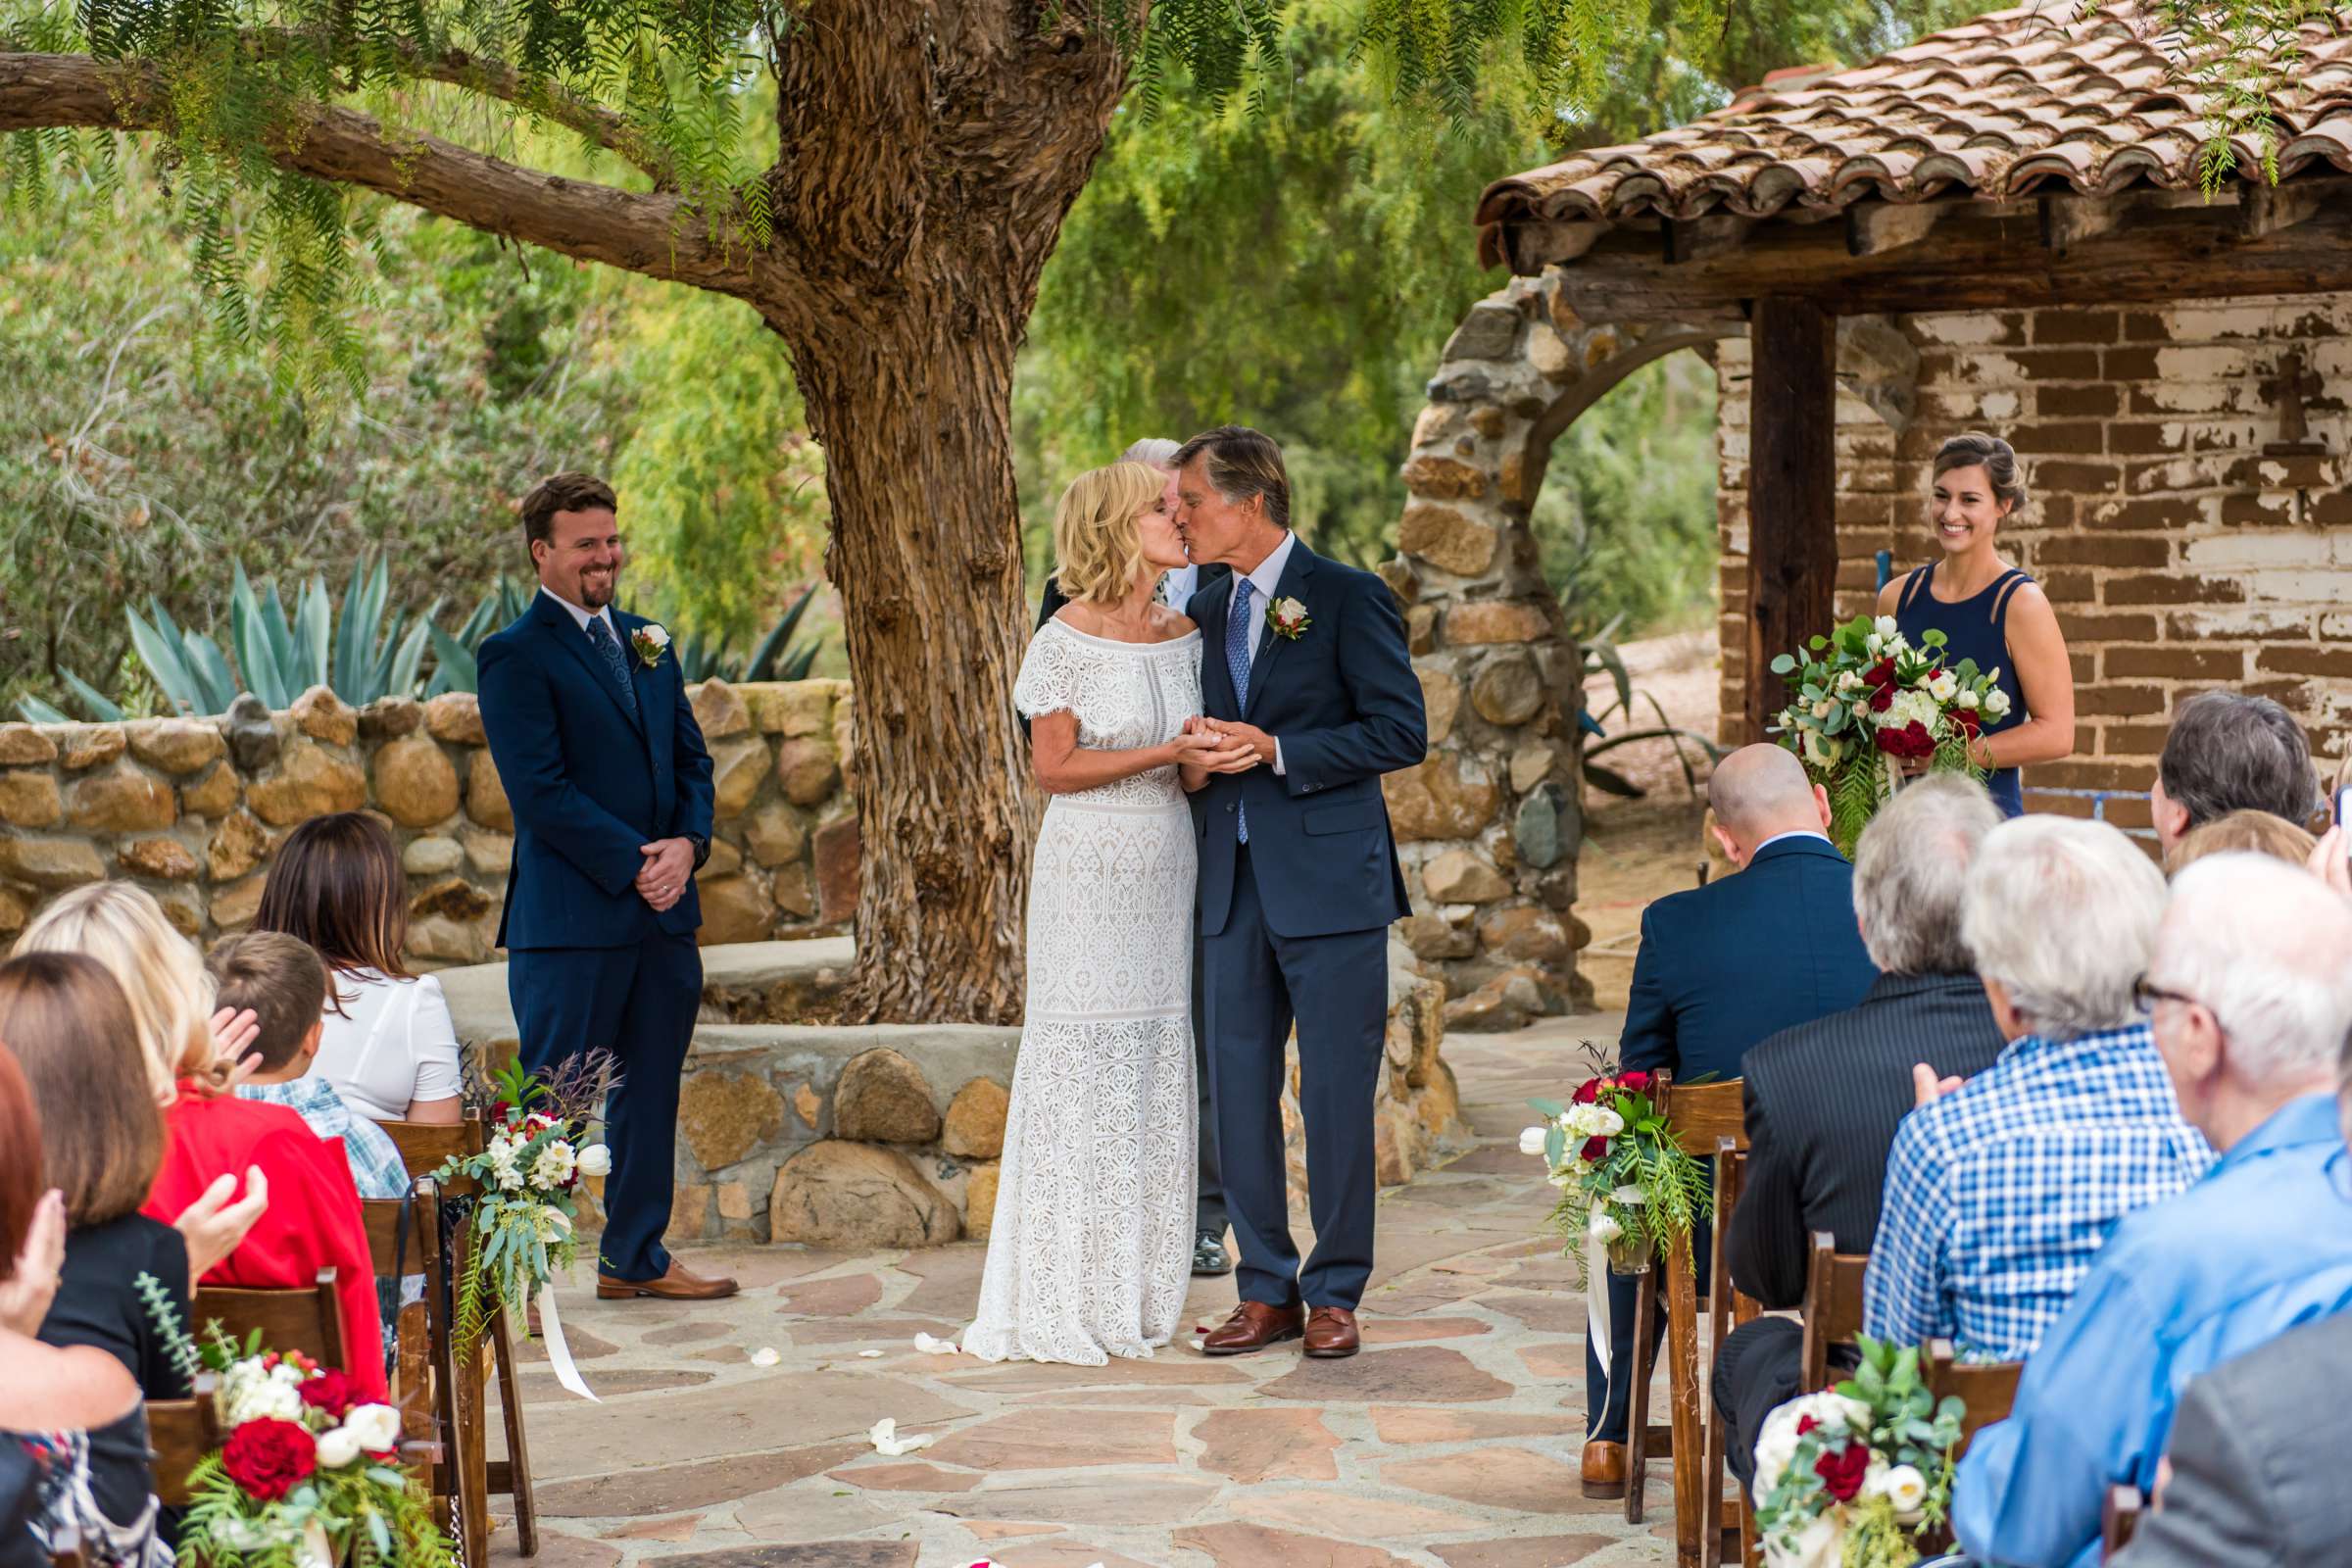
[[1096, 549]]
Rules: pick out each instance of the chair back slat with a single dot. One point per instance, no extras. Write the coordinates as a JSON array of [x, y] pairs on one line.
[[425, 1146], [1701, 1113], [180, 1432], [304, 1319], [384, 1218], [1832, 1304], [1986, 1389], [2119, 1518]]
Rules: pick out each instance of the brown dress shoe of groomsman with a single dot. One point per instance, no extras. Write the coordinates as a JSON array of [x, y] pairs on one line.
[[1331, 1333], [680, 1284], [1604, 1470], [1252, 1326]]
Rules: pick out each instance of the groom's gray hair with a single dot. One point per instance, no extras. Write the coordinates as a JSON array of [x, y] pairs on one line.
[[1911, 874], [2063, 914], [1242, 462], [1157, 449]]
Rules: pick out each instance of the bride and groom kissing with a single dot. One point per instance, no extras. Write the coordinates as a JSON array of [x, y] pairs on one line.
[[1213, 759]]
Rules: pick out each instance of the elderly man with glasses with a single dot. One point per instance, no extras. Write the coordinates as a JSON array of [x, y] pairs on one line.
[[2251, 996]]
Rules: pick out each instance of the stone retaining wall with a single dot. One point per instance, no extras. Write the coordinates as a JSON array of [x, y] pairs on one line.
[[192, 808]]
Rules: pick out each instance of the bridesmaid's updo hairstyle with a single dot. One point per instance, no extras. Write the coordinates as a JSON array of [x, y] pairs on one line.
[[1097, 549], [1973, 449]]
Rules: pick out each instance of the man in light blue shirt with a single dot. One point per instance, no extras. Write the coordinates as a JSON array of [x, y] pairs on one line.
[[2251, 995]]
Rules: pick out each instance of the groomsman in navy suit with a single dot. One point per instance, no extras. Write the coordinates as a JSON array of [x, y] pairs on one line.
[[605, 767], [1719, 967], [1304, 659]]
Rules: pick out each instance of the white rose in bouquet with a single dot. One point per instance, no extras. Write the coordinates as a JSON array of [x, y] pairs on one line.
[[1849, 682], [377, 1427], [1886, 629], [1943, 686], [1996, 704], [1873, 644], [1821, 751], [1822, 708], [1594, 1122], [596, 1160], [338, 1449], [1967, 700], [1902, 1485], [1532, 1139], [1909, 706]]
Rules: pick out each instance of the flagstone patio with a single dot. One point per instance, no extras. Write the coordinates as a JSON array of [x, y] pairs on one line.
[[1450, 1442]]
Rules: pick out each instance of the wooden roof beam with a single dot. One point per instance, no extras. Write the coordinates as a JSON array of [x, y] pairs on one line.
[[1696, 239], [2067, 220], [2264, 209], [1873, 228]]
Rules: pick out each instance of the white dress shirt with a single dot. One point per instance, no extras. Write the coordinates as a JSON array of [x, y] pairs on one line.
[[1262, 583], [581, 617], [1177, 585], [1794, 833]]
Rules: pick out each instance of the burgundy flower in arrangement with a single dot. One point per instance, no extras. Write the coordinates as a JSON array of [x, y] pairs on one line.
[[1806, 1423], [330, 1391], [1636, 1081], [1880, 674], [1595, 1148], [1912, 740], [1842, 1473], [1588, 1091], [1968, 719], [268, 1457]]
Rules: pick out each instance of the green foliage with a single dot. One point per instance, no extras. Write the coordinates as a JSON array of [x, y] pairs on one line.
[[1600, 657], [2237, 55], [774, 658], [163, 1315]]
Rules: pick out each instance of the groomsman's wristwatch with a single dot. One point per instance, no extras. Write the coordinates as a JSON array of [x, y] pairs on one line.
[[702, 848]]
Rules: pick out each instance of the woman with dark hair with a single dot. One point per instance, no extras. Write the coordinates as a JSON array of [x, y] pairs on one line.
[[1991, 612], [389, 1048], [73, 1033], [74, 1467]]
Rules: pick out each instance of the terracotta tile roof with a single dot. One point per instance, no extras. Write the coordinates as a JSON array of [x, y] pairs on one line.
[[2019, 103]]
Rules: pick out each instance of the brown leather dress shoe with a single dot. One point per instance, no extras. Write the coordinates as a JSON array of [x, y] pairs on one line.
[[1604, 1470], [680, 1284], [1252, 1326], [1331, 1333]]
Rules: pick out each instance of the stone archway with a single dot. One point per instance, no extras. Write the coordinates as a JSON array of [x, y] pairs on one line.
[[1488, 826]]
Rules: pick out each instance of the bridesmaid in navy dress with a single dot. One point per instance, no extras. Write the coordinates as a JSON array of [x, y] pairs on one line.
[[1991, 612]]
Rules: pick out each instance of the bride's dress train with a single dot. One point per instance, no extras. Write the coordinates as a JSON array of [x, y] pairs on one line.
[[1090, 1254]]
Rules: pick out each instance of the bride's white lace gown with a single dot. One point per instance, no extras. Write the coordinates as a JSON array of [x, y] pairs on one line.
[[1091, 1250]]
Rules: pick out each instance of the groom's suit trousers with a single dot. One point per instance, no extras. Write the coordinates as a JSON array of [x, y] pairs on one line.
[[1257, 982]]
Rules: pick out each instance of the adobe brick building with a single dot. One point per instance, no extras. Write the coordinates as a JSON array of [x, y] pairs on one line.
[[1997, 227]]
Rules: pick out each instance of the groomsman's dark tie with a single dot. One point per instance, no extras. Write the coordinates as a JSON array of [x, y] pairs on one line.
[[1239, 626], [615, 660]]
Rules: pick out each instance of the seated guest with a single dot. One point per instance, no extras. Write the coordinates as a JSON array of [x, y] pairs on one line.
[[2251, 996], [282, 981], [2000, 1191], [1719, 967], [73, 1427], [2231, 752], [389, 1050], [2254, 1475], [312, 1220], [2257, 832], [102, 1139], [1823, 1099]]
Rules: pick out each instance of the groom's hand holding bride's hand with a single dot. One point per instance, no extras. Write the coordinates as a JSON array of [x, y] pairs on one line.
[[1260, 744], [1215, 747]]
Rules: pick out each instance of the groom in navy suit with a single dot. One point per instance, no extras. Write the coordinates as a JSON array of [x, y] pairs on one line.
[[605, 767], [1305, 661]]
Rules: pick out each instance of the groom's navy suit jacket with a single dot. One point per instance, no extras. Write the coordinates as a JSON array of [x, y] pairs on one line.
[[589, 782], [1342, 700]]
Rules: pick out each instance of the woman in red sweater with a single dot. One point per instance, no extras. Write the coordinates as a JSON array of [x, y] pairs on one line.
[[313, 1219]]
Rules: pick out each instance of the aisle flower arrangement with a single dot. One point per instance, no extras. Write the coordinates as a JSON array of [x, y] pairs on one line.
[[309, 1477], [1626, 1185], [1865, 701], [529, 1175], [1859, 1476]]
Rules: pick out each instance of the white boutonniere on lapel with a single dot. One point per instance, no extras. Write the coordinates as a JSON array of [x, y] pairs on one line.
[[651, 643], [1287, 618]]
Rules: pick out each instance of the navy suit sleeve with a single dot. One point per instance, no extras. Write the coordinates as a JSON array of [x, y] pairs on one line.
[[1389, 731], [1050, 603], [1648, 1040], [1768, 1239], [519, 716], [693, 761]]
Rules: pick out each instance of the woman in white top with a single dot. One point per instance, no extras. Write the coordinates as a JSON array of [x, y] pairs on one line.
[[388, 1047]]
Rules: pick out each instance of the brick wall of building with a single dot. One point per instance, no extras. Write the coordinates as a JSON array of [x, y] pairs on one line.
[[2180, 556]]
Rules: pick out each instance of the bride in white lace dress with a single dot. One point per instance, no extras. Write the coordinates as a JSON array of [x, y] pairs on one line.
[[1091, 1247]]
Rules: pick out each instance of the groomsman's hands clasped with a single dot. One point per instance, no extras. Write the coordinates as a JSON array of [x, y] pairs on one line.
[[662, 880]]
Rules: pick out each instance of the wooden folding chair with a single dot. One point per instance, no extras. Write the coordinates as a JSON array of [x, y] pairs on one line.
[[1699, 1115], [1832, 1312], [1986, 1389], [306, 1318], [1727, 1309], [401, 1232], [462, 1390], [180, 1432], [2119, 1518]]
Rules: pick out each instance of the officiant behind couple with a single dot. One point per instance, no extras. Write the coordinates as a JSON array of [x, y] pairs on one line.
[[1253, 774]]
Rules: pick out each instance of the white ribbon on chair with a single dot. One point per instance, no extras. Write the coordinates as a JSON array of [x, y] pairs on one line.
[[559, 1354], [1596, 1298]]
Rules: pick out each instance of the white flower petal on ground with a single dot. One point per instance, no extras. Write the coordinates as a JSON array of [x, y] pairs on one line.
[[1531, 1141], [931, 1347], [869, 1355], [766, 1355], [887, 1441]]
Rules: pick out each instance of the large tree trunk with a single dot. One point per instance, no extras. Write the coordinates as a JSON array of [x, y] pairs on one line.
[[930, 182]]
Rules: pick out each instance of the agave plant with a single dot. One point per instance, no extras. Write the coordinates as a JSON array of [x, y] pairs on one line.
[[774, 659], [453, 655], [1602, 654]]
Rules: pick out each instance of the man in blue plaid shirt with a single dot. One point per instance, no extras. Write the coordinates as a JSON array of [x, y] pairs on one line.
[[2000, 1191]]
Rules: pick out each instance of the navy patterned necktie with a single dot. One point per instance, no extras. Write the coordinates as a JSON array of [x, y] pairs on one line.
[[1239, 626], [610, 648]]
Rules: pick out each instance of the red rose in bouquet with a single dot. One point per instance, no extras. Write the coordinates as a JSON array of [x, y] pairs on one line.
[[330, 1391], [1911, 741], [1595, 1148], [1842, 1473], [268, 1458], [1636, 1081], [1587, 1092], [1968, 719]]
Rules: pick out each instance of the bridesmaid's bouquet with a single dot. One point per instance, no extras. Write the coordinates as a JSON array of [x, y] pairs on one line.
[[1865, 701]]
